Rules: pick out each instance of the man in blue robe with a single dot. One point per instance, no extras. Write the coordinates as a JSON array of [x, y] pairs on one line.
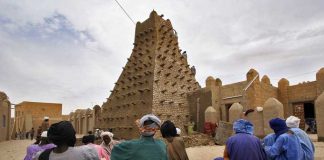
[[243, 145], [306, 143], [286, 145]]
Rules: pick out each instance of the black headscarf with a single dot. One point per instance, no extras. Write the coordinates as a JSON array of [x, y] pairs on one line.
[[279, 126], [168, 129], [62, 133], [88, 139]]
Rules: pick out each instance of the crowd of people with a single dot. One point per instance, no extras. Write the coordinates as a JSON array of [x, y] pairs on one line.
[[288, 142], [58, 143], [20, 135]]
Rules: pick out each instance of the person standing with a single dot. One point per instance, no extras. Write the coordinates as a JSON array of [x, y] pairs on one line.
[[108, 142], [43, 145], [175, 145], [63, 136], [285, 144], [45, 124], [145, 148], [32, 132], [306, 143], [243, 145], [89, 140], [39, 131]]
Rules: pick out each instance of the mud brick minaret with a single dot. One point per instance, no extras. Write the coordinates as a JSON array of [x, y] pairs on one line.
[[156, 79]]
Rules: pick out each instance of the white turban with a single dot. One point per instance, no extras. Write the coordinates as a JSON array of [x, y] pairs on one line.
[[292, 122], [178, 131], [150, 117], [46, 117], [111, 135], [44, 134]]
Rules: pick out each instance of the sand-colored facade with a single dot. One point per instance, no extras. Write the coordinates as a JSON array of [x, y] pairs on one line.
[[158, 79], [82, 120], [5, 119], [31, 115], [253, 92]]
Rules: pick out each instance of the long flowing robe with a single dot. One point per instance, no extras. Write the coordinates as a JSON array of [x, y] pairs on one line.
[[108, 148], [285, 147], [101, 151], [176, 149], [244, 146], [145, 148], [306, 143], [34, 148], [269, 140]]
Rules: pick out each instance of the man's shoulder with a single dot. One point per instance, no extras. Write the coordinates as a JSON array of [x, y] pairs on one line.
[[160, 142]]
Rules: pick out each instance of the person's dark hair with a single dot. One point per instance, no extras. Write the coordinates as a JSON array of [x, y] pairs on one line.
[[88, 139], [62, 133], [89, 132], [168, 129], [44, 141], [148, 122], [38, 139]]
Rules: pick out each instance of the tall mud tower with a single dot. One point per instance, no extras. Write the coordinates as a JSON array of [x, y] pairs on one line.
[[156, 79]]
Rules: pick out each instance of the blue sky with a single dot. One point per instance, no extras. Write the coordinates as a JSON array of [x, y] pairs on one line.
[[72, 52]]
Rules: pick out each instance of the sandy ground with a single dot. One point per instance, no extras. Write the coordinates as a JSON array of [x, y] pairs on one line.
[[16, 150]]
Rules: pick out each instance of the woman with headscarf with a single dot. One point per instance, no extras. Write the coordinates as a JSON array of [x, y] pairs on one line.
[[43, 145], [175, 145], [145, 148], [285, 145], [89, 140], [306, 143], [62, 135], [108, 142], [243, 145]]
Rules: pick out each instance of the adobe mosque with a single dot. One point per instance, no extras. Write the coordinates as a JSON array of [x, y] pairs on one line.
[[158, 79]]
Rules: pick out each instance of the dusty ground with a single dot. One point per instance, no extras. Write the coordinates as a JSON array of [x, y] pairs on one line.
[[16, 150]]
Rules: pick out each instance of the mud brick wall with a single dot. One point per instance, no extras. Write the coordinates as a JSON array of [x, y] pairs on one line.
[[156, 79], [83, 120], [5, 113], [173, 78], [302, 92], [201, 97], [233, 89]]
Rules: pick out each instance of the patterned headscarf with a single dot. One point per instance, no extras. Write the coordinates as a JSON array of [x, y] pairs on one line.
[[149, 130], [243, 126], [111, 135]]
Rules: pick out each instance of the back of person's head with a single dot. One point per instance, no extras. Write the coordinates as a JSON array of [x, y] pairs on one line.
[[62, 133], [243, 126], [168, 129], [292, 122], [278, 125], [88, 139]]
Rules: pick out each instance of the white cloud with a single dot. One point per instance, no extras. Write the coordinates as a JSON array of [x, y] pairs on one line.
[[72, 51]]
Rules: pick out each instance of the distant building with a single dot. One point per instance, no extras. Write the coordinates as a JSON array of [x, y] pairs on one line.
[[31, 115], [5, 117], [158, 79], [297, 100], [82, 120]]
